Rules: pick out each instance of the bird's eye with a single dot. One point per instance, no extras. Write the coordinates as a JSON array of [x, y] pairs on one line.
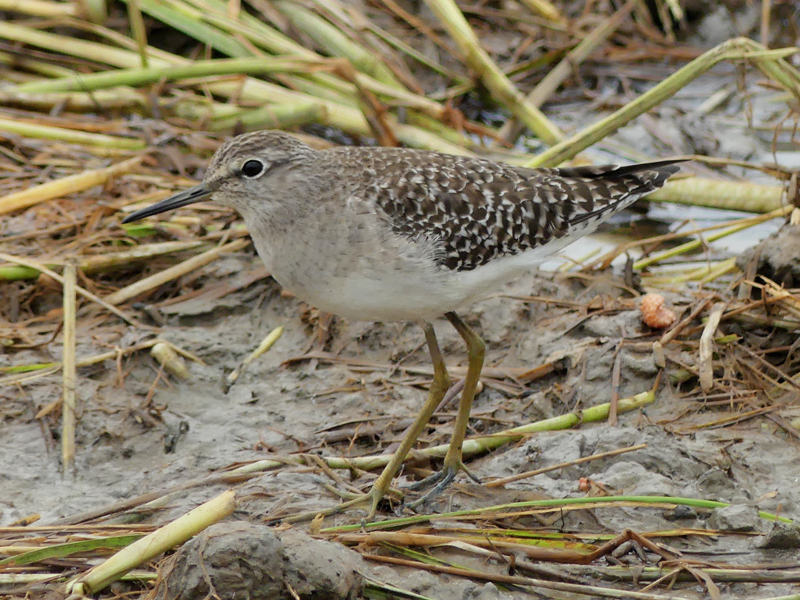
[[252, 168]]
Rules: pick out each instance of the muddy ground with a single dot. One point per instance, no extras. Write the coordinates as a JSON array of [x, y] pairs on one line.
[[135, 437], [282, 409]]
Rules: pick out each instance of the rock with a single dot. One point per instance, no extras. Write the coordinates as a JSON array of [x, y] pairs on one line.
[[633, 479], [778, 256], [487, 592], [784, 536], [680, 512], [628, 322], [246, 560], [641, 364], [320, 570], [736, 517], [715, 483]]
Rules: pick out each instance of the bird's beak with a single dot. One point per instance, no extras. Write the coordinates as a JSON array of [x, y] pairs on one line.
[[184, 198]]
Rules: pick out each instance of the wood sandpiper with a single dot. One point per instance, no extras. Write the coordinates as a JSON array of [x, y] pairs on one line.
[[387, 234]]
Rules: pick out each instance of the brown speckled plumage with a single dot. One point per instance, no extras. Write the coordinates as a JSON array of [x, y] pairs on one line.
[[478, 210]]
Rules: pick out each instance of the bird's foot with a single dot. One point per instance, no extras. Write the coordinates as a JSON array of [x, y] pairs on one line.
[[372, 498], [439, 482]]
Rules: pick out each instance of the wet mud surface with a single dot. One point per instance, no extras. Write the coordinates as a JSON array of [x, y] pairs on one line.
[[138, 438], [140, 431]]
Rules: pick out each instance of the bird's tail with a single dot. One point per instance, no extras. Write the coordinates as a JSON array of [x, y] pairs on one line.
[[614, 188]]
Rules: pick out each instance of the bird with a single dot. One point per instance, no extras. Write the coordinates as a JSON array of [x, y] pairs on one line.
[[399, 234]]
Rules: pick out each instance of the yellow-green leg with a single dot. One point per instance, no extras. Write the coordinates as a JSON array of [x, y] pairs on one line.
[[439, 385], [476, 350]]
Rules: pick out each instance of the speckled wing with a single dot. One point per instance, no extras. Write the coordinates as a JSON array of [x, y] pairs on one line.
[[476, 210]]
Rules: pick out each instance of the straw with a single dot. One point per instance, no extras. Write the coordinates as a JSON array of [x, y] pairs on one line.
[[68, 412], [150, 546], [501, 87], [67, 185]]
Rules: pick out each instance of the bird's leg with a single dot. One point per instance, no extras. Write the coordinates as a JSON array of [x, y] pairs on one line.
[[437, 390], [476, 351]]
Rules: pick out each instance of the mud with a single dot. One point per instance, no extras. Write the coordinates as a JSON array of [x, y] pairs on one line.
[[244, 560], [135, 436], [276, 408]]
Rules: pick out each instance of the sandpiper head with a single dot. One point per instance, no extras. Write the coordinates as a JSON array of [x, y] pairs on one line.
[[242, 171]]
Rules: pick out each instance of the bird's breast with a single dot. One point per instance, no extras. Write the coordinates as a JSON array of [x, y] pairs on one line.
[[358, 269]]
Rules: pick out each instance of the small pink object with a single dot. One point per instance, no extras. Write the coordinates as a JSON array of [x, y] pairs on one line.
[[655, 314]]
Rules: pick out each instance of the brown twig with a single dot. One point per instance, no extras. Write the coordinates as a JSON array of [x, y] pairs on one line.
[[564, 465], [584, 590]]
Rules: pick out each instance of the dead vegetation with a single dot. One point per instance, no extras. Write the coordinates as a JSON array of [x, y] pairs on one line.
[[106, 109]]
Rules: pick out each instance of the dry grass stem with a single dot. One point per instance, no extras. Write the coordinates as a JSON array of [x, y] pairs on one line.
[[695, 244], [150, 546], [138, 29], [736, 49], [67, 185], [494, 79], [512, 128], [583, 590], [705, 364], [169, 359], [68, 407], [48, 132], [167, 275], [86, 294], [41, 8], [267, 343], [38, 371], [545, 9]]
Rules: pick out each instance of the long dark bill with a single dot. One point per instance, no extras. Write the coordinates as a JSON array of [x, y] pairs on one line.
[[190, 196]]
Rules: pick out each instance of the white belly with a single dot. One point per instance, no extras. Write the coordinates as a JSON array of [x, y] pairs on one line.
[[380, 295], [384, 293], [369, 277]]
